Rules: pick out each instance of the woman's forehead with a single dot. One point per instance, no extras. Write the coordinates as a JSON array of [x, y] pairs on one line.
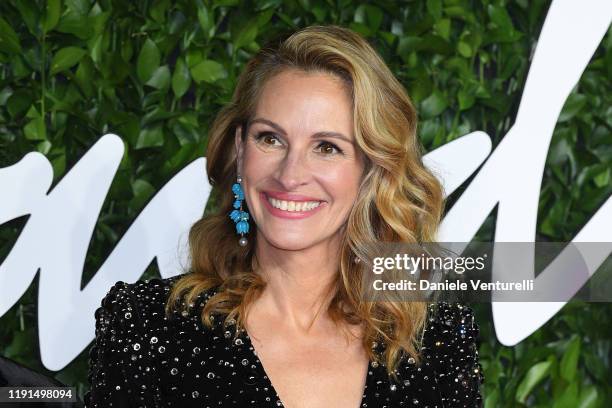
[[298, 99]]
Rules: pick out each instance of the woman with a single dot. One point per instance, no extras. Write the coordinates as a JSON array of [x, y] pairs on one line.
[[315, 155]]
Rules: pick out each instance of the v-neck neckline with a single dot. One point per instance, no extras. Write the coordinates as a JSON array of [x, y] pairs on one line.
[[249, 349]]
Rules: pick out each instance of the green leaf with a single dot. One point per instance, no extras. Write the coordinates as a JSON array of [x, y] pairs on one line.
[[408, 44], [499, 15], [491, 400], [569, 362], [5, 94], [150, 137], [509, 68], [142, 190], [53, 14], [35, 130], [361, 29], [181, 80], [268, 4], [388, 37], [19, 103], [588, 397], [158, 114], [554, 217], [588, 173], [96, 49], [30, 14], [437, 45], [602, 179], [80, 7], [160, 78], [20, 346], [9, 42], [319, 13], [180, 159], [434, 7], [369, 15], [568, 398], [78, 25], [218, 3], [206, 22], [84, 76], [99, 20], [43, 147], [430, 130], [208, 71], [246, 35], [186, 134], [176, 23], [466, 99], [560, 151], [473, 39], [130, 129], [433, 105], [58, 161], [421, 89], [535, 374], [194, 57], [158, 10], [66, 58], [443, 28], [574, 104], [595, 366], [464, 49], [110, 234], [148, 60]]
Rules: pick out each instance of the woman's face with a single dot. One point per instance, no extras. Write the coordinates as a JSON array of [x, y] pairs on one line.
[[300, 165]]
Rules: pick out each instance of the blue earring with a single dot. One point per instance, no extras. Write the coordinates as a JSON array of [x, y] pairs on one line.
[[240, 217]]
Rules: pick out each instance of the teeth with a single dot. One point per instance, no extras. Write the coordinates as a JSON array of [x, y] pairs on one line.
[[293, 205]]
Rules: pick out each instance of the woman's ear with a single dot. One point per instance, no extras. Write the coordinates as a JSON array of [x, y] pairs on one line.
[[238, 146]]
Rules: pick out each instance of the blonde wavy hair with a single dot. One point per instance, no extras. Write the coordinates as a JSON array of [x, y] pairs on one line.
[[399, 200]]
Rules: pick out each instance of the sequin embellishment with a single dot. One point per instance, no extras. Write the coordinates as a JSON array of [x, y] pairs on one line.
[[143, 358]]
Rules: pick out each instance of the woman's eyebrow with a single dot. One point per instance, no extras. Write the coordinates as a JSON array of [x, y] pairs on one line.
[[316, 135]]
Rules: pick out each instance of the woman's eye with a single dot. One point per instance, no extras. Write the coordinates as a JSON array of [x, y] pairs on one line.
[[328, 148], [266, 138]]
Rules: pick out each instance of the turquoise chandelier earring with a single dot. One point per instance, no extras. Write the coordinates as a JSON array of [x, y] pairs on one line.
[[238, 215]]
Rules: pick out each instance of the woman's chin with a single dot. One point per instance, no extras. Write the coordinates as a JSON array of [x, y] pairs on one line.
[[294, 241]]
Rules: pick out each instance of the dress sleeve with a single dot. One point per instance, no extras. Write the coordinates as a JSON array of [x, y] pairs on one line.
[[117, 366], [451, 346]]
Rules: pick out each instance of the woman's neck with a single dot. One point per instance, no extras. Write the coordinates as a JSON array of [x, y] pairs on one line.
[[298, 283]]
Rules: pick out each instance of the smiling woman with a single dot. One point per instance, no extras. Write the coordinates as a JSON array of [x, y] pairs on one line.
[[294, 154], [315, 156]]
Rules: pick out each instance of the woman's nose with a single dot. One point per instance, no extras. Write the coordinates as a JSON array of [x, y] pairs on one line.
[[294, 170]]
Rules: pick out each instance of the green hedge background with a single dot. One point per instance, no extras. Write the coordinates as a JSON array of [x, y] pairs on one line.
[[156, 72]]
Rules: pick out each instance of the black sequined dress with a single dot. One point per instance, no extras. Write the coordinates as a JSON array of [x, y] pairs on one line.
[[141, 358]]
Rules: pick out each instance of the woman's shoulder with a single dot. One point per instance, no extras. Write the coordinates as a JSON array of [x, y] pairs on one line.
[[451, 340], [132, 329], [140, 307], [451, 319], [146, 298]]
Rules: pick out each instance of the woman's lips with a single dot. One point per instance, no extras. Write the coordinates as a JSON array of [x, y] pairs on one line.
[[307, 205], [280, 195]]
